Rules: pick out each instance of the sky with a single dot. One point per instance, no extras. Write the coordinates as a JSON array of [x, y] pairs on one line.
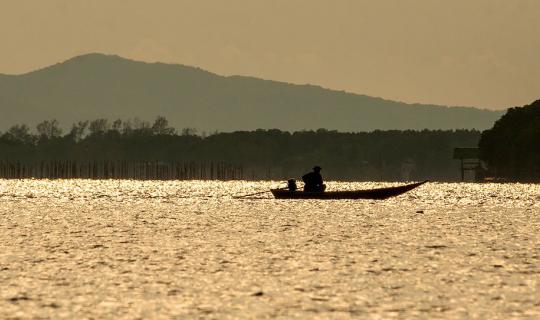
[[481, 53]]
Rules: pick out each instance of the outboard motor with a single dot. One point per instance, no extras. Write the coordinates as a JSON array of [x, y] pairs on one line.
[[291, 185]]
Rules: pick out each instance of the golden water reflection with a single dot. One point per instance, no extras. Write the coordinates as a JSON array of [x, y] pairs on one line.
[[128, 249], [437, 194]]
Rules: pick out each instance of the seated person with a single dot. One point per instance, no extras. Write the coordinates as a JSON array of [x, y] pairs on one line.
[[313, 181]]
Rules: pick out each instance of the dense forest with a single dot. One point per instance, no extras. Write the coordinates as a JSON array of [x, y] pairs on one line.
[[267, 154], [512, 147]]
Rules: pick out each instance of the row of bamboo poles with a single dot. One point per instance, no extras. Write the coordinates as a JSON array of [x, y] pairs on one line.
[[134, 170]]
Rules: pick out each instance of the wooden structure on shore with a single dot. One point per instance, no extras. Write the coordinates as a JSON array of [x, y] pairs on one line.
[[134, 170], [470, 161]]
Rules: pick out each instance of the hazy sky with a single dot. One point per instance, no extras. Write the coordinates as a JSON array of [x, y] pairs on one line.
[[461, 52]]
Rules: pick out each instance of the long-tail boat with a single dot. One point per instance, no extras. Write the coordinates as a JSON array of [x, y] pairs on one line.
[[377, 194]]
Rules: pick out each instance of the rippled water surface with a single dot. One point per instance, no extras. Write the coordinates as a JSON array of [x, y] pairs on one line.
[[131, 249]]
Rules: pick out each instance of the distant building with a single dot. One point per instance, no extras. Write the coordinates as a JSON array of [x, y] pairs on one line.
[[408, 167], [471, 166]]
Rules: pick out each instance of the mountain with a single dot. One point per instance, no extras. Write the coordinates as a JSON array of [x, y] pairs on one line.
[[101, 86]]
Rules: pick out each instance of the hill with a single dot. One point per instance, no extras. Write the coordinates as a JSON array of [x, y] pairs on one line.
[[95, 85]]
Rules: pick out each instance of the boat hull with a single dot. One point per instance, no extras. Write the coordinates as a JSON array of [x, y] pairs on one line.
[[377, 194]]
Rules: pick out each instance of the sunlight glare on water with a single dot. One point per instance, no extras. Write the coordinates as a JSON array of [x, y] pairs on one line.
[[112, 248]]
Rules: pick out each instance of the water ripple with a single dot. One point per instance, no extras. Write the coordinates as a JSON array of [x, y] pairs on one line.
[[189, 249]]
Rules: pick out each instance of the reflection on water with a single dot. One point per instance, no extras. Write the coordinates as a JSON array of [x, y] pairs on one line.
[[432, 194], [131, 249]]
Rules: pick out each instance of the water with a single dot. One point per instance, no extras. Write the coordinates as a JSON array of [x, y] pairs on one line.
[[129, 249]]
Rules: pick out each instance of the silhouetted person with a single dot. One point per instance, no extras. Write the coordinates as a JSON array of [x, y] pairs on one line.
[[313, 181]]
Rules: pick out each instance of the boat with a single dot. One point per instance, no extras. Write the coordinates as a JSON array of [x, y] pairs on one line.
[[376, 194]]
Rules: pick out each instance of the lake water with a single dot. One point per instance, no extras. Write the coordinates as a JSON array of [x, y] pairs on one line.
[[132, 249]]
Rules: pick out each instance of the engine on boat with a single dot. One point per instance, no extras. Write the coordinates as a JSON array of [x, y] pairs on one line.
[[291, 185]]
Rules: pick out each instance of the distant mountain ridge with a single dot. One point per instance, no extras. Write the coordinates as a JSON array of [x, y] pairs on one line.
[[101, 86]]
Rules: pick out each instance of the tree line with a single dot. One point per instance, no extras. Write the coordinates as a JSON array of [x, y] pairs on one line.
[[512, 147], [263, 154]]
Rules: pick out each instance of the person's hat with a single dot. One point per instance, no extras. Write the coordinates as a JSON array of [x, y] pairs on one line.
[[316, 168]]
